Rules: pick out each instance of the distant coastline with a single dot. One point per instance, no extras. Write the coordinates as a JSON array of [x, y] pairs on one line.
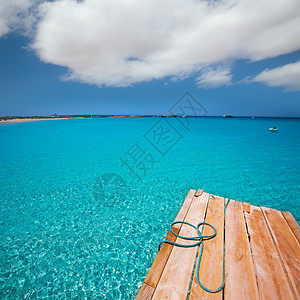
[[10, 120], [17, 119], [20, 119]]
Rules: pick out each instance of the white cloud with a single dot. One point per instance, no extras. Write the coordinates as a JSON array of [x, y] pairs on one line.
[[14, 14], [119, 43], [212, 78], [287, 76]]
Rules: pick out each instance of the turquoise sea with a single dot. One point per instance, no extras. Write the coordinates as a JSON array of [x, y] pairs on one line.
[[85, 202]]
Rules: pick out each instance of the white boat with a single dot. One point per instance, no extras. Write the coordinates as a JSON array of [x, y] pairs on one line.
[[273, 129]]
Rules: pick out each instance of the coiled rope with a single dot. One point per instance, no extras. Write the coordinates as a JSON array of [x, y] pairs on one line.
[[199, 241]]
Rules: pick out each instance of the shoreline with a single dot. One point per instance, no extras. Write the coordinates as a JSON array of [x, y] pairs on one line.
[[28, 119], [12, 120], [21, 120]]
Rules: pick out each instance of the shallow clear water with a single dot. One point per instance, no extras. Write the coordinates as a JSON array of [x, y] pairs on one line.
[[75, 223]]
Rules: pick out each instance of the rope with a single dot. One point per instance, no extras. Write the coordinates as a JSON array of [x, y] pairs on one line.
[[199, 241]]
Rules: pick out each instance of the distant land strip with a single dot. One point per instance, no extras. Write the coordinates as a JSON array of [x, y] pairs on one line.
[[18, 119]]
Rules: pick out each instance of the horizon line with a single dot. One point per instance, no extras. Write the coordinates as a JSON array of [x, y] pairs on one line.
[[140, 115]]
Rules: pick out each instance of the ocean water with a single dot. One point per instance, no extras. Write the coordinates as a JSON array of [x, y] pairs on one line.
[[85, 203]]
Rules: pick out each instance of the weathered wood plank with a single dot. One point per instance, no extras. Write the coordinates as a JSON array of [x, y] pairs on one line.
[[159, 263], [184, 208], [292, 223], [211, 268], [240, 280], [272, 279], [246, 207], [175, 279], [145, 293], [287, 245]]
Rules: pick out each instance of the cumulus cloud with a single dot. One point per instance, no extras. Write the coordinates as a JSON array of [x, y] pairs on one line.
[[15, 14], [212, 78], [287, 76], [119, 43]]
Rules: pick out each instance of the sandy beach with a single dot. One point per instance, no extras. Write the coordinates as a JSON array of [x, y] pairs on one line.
[[33, 120]]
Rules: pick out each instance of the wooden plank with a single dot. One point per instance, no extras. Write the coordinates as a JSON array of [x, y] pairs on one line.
[[272, 279], [287, 245], [292, 223], [240, 280], [246, 207], [159, 263], [184, 208], [146, 292], [175, 279], [211, 268]]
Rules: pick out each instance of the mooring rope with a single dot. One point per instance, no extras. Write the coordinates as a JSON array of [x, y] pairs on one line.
[[200, 238]]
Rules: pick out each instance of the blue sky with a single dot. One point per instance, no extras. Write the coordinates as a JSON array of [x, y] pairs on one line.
[[41, 74]]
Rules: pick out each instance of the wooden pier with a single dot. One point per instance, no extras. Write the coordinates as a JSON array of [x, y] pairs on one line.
[[262, 254]]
